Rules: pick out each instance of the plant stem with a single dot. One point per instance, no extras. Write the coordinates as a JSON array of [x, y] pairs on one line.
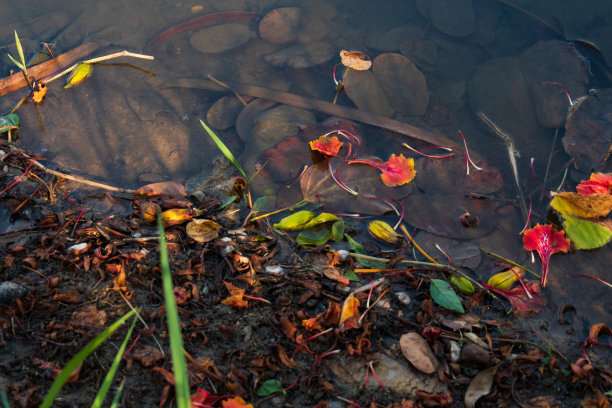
[[510, 262]]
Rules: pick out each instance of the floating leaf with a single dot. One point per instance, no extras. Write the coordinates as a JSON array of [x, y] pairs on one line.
[[202, 230], [443, 294], [321, 219], [356, 60], [314, 236], [586, 234], [383, 231], [349, 317], [8, 122], [574, 204], [396, 171], [295, 221], [338, 230], [79, 74], [480, 386], [270, 387], [545, 240], [329, 146]]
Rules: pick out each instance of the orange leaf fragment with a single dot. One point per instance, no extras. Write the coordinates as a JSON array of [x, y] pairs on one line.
[[329, 146], [396, 171], [236, 402], [349, 317], [236, 298], [356, 60]]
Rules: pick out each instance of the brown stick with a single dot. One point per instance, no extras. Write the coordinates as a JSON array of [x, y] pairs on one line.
[[17, 81], [321, 106]]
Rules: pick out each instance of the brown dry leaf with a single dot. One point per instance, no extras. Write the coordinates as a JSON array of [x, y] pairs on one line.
[[88, 316], [149, 210], [202, 230], [417, 352], [70, 297], [480, 386], [181, 295], [349, 317], [355, 60], [334, 274], [162, 189], [119, 280], [147, 355], [590, 206]]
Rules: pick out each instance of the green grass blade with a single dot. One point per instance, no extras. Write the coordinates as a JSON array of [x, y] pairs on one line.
[[112, 371], [223, 148], [79, 358], [20, 51], [179, 366], [115, 402], [19, 64]]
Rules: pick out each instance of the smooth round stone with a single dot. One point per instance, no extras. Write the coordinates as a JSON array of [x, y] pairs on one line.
[[220, 38], [302, 55], [281, 25]]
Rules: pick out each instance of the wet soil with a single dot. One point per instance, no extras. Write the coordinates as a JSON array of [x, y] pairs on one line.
[[71, 297]]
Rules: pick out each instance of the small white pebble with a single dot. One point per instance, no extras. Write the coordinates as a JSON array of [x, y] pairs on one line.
[[275, 269], [403, 298], [344, 254], [455, 351]]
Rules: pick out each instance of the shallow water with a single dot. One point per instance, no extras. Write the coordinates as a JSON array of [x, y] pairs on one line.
[[126, 127]]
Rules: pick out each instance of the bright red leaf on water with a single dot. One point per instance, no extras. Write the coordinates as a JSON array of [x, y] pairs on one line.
[[546, 241], [396, 171], [329, 146], [523, 301], [598, 183]]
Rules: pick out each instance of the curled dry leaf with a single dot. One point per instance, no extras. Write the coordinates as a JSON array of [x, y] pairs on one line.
[[417, 351], [355, 60], [162, 189], [202, 231], [480, 386], [349, 318]]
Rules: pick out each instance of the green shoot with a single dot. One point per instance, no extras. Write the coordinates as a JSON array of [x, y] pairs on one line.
[[112, 371], [79, 358], [115, 402], [21, 65], [179, 366], [226, 152]]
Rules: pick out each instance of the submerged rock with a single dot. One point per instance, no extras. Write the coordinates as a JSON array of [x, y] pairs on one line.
[[220, 38]]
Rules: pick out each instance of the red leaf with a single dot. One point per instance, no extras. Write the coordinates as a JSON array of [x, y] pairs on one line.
[[591, 187], [594, 333], [396, 171], [519, 299], [329, 146], [546, 241]]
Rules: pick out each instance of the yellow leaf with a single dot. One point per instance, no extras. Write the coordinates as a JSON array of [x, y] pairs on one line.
[[79, 74], [349, 317], [590, 206]]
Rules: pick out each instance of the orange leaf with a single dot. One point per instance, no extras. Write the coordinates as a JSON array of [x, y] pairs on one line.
[[236, 301], [396, 171], [313, 324], [162, 189], [236, 402], [350, 313], [329, 146]]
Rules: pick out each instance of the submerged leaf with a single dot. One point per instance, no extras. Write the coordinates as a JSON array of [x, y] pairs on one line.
[[443, 294], [8, 122], [314, 236], [480, 386], [338, 230], [79, 74], [202, 230], [226, 152]]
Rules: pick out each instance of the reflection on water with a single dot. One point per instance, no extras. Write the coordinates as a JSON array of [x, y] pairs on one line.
[[124, 127]]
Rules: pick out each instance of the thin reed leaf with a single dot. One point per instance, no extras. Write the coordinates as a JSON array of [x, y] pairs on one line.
[[112, 371], [20, 51], [226, 152], [61, 379], [179, 366], [115, 402]]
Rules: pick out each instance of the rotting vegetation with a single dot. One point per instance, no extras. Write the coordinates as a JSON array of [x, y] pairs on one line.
[[270, 321]]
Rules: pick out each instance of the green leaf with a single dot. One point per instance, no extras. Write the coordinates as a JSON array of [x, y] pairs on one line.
[[61, 379], [295, 221], [270, 387], [585, 234], [359, 249], [226, 152], [78, 75], [108, 380], [443, 294], [179, 366], [20, 51], [321, 219], [8, 122], [19, 64], [350, 274], [338, 230], [314, 236], [227, 202]]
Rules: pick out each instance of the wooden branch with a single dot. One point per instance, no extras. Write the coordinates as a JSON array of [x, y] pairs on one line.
[[17, 81]]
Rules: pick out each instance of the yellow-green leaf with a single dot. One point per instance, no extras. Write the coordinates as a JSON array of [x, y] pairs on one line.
[[79, 74], [294, 221], [321, 219]]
